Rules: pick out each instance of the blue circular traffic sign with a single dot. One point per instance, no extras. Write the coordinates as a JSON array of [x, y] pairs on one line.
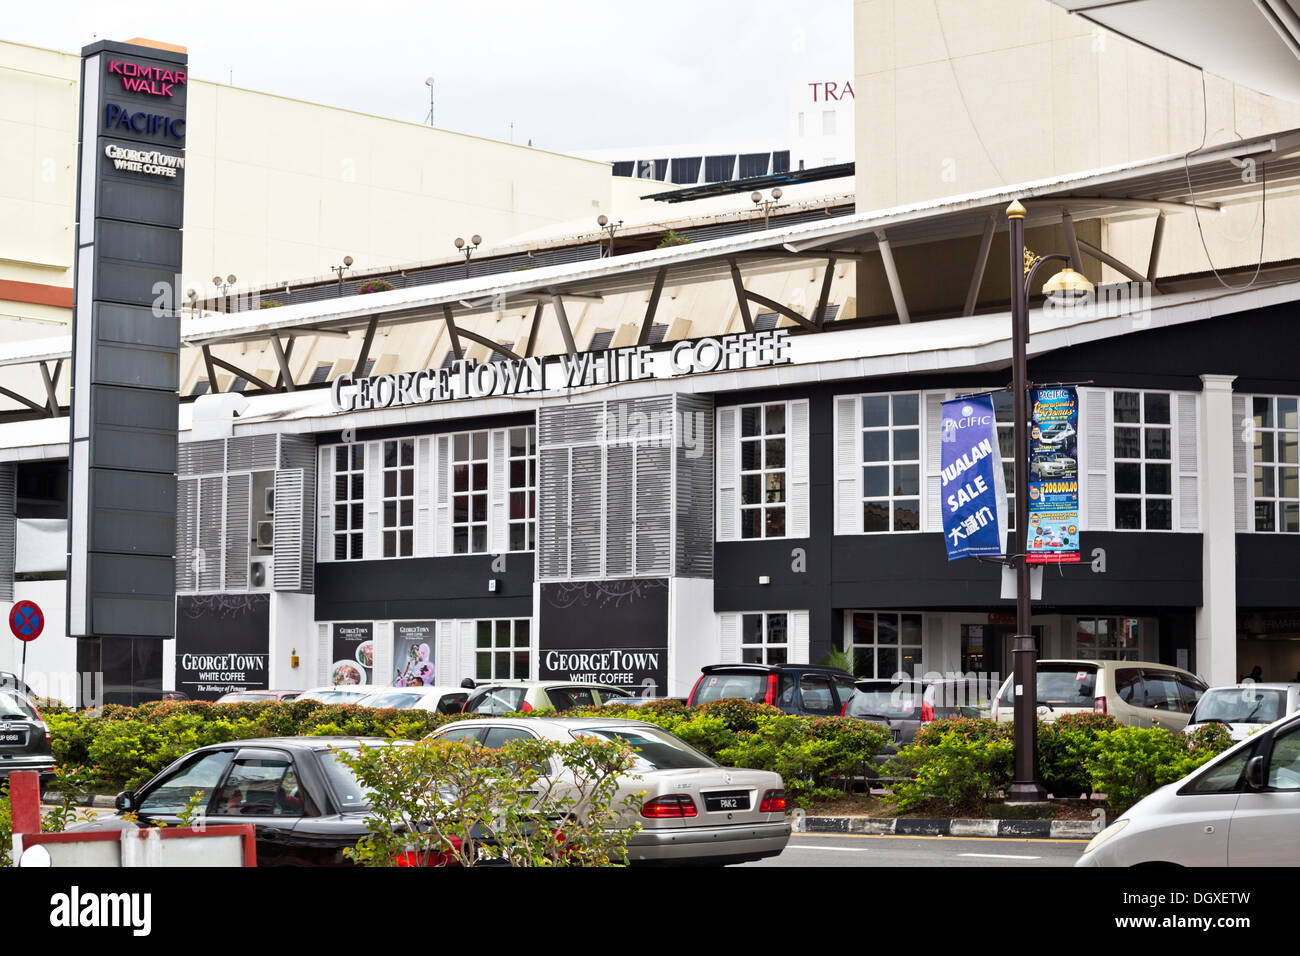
[[26, 620]]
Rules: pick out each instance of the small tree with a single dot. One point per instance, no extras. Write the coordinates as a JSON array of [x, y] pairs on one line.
[[529, 803]]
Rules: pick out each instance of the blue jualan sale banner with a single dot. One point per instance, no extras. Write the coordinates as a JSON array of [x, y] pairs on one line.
[[972, 490]]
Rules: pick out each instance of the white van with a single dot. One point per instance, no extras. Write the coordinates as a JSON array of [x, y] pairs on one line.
[[1136, 693]]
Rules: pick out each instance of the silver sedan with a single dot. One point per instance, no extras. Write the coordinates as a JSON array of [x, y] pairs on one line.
[[692, 809]]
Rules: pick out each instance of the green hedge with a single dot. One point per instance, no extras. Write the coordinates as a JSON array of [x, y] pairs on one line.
[[961, 765]]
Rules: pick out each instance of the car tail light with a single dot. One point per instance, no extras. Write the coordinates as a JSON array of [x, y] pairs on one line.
[[770, 698], [773, 802], [927, 713], [669, 806], [430, 857], [845, 709], [690, 701], [1099, 705], [526, 708], [39, 719]]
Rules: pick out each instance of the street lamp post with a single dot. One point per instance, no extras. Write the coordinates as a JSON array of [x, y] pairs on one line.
[[467, 249], [1026, 786]]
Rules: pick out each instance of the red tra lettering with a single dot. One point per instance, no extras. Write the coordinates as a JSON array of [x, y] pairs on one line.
[[830, 91]]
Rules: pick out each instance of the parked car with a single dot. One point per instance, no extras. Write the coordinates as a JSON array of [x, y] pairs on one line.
[[252, 696], [445, 700], [305, 805], [10, 681], [795, 688], [1242, 808], [512, 697], [692, 809], [24, 737], [341, 694], [1137, 693], [1244, 708], [904, 706]]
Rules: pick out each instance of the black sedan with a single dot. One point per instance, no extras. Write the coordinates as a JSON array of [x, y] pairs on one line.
[[24, 738], [306, 805]]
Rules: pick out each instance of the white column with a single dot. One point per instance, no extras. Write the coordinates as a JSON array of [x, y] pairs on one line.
[[1216, 618]]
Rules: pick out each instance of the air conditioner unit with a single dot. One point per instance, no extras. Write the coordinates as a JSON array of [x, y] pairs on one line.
[[266, 534], [259, 574], [269, 506]]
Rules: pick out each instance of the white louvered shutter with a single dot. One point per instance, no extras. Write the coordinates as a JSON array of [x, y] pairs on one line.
[[212, 505], [1095, 499], [372, 539], [238, 490], [187, 532], [324, 654], [796, 463], [654, 503], [382, 671], [287, 555], [442, 497], [933, 460], [465, 649], [1187, 459], [424, 483], [728, 508], [848, 464], [799, 637], [553, 504], [325, 504], [498, 491], [621, 496], [446, 656], [729, 638], [588, 508], [1241, 508]]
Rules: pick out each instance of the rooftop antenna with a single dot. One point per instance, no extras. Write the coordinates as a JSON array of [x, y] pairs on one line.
[[428, 81]]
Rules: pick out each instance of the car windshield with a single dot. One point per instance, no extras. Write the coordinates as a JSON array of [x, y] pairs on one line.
[[899, 702], [1241, 705], [335, 696], [497, 700], [653, 749], [717, 686], [351, 793], [11, 705], [401, 699]]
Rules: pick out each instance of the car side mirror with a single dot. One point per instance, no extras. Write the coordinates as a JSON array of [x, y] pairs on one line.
[[125, 801], [1255, 773]]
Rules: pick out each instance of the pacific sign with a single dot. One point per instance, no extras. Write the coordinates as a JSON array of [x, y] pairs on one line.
[[466, 378], [152, 124]]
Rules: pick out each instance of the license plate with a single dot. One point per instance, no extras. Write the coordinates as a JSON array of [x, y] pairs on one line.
[[13, 737], [727, 801]]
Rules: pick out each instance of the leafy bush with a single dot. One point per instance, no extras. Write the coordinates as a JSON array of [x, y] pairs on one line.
[[1064, 747], [441, 802], [960, 764], [740, 715], [374, 285], [813, 755], [1130, 763]]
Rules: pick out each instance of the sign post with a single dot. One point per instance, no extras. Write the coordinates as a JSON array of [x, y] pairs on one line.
[[26, 621]]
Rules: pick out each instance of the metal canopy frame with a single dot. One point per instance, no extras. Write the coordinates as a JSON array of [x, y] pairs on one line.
[[1203, 183]]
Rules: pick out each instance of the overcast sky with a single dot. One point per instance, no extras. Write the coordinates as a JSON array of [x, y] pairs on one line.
[[570, 74]]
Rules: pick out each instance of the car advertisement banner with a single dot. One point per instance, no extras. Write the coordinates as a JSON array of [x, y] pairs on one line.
[[413, 643], [354, 653], [1053, 476], [972, 491]]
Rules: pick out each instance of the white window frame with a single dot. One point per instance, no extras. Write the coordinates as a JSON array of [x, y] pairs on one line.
[[763, 506], [891, 463], [1259, 432], [511, 648], [765, 645], [398, 527], [851, 647], [1142, 427], [729, 509], [357, 470], [486, 491], [529, 488]]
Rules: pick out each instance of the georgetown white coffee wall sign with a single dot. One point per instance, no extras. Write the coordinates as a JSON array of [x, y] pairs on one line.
[[466, 378]]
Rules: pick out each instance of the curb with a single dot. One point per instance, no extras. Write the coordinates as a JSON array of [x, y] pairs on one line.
[[939, 826]]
